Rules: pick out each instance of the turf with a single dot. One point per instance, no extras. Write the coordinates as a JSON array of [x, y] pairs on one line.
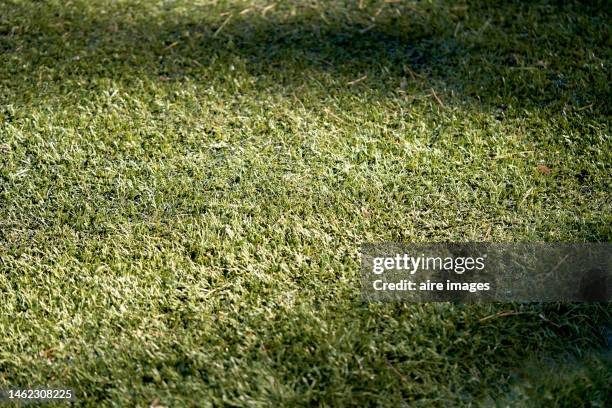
[[184, 187]]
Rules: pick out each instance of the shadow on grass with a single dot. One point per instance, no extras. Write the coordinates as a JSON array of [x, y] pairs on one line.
[[534, 55], [434, 355]]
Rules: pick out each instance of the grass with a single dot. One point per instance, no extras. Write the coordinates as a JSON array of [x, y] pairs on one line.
[[184, 187]]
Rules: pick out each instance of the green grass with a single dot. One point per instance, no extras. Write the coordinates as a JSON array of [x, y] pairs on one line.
[[184, 187]]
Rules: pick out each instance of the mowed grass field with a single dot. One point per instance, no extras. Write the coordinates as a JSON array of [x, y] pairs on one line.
[[185, 186]]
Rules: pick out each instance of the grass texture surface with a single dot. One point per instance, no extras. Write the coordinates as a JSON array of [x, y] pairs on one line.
[[184, 187]]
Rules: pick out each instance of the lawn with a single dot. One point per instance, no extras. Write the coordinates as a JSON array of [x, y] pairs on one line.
[[185, 186]]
